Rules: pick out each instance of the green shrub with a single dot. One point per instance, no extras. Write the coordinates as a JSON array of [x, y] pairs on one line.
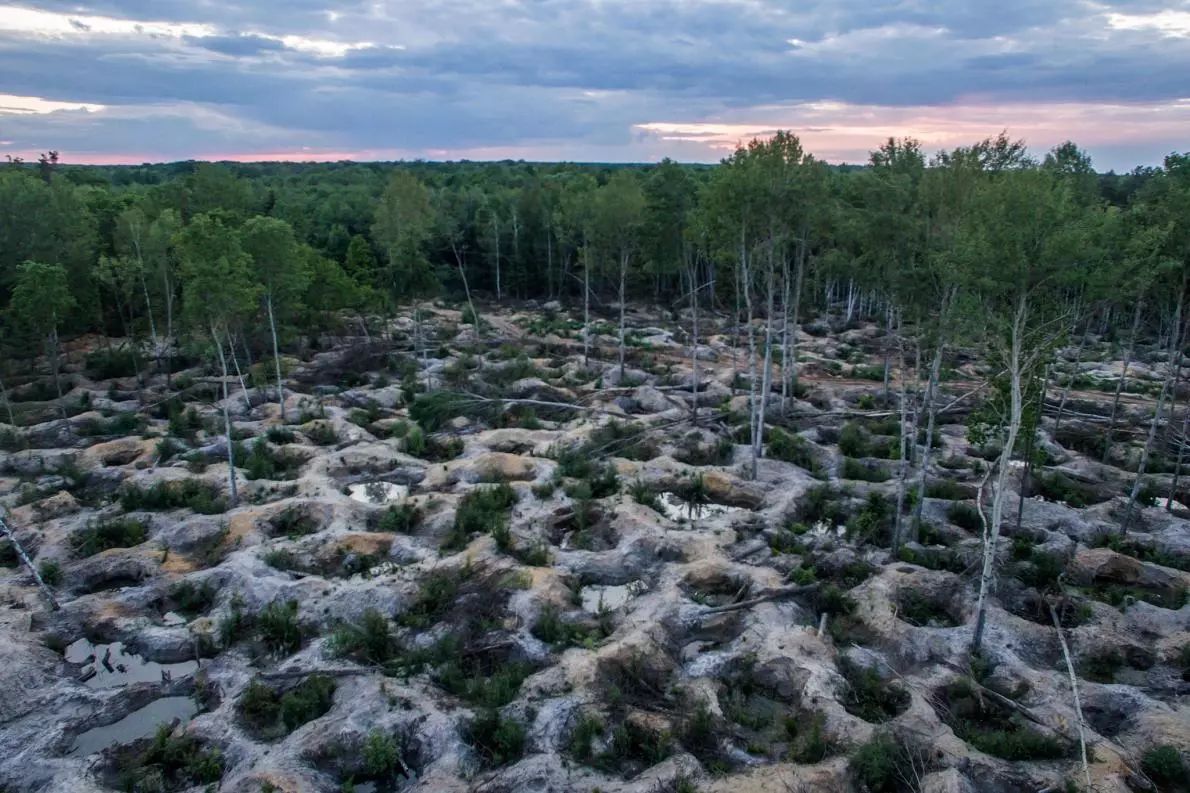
[[50, 572], [879, 765], [278, 627], [1165, 766], [381, 755], [853, 440], [307, 701], [190, 598], [280, 435], [965, 516], [399, 519], [862, 472], [872, 522], [113, 363], [483, 509], [792, 448], [497, 740], [370, 641], [190, 494], [947, 489], [868, 696], [321, 433], [169, 763], [437, 591], [115, 533]]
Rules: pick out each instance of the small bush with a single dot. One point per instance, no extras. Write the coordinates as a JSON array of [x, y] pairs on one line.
[[190, 598], [497, 740], [280, 435], [868, 696], [117, 533], [946, 489], [113, 363], [880, 765], [190, 494], [370, 641], [792, 448], [965, 516], [484, 509], [278, 627], [50, 572], [862, 472], [169, 763], [853, 440], [399, 519], [1164, 765]]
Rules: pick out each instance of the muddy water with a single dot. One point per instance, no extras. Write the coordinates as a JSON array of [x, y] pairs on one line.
[[136, 725], [675, 507], [608, 598], [110, 665], [376, 493]]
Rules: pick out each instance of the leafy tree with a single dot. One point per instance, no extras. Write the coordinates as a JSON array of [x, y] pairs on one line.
[[41, 302], [283, 275], [218, 290]]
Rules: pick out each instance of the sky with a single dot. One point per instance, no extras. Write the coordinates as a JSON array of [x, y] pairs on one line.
[[131, 81]]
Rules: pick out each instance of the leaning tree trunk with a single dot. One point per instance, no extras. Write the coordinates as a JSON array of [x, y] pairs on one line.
[[276, 358], [5, 531], [692, 272], [745, 276], [1176, 332], [766, 377], [12, 419], [1016, 409], [231, 459], [623, 296], [586, 306], [1115, 405], [905, 439], [927, 452], [1078, 359]]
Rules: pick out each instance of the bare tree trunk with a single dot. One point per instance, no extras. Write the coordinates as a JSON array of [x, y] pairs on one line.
[[1115, 405], [231, 460], [1078, 357], [694, 289], [785, 289], [55, 366], [276, 358], [931, 418], [7, 403], [1177, 468], [496, 236], [766, 382], [1016, 408], [905, 438], [887, 350], [791, 361], [1078, 705], [623, 298], [1144, 456], [5, 531], [586, 305], [467, 290], [231, 345], [752, 407]]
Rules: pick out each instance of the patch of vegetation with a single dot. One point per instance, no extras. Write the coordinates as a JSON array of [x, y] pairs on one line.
[[170, 762], [794, 449], [50, 572], [1102, 665], [272, 714], [321, 433], [885, 765], [1165, 766], [873, 520], [190, 598], [557, 632], [497, 740], [863, 472], [278, 628], [119, 425], [281, 435], [103, 535], [965, 516], [399, 519], [868, 696], [1056, 486], [192, 494], [293, 522], [261, 462], [483, 509], [994, 729], [918, 609], [947, 489], [113, 363]]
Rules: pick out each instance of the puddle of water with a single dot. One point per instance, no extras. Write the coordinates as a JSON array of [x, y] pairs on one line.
[[136, 725], [610, 597], [377, 492], [675, 507], [110, 665]]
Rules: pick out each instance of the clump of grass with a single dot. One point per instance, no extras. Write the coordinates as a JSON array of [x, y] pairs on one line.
[[104, 535], [369, 641], [272, 714], [399, 519], [965, 516], [863, 472], [868, 696], [497, 740], [278, 627], [190, 598], [192, 494], [484, 509], [1165, 766], [169, 762], [792, 449], [993, 729]]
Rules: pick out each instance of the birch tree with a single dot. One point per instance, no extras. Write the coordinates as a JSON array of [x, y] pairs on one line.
[[218, 289], [281, 270]]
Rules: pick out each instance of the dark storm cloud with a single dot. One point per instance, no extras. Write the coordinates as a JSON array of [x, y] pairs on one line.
[[461, 74]]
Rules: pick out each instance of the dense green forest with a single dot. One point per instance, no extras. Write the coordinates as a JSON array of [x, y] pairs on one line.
[[129, 239]]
